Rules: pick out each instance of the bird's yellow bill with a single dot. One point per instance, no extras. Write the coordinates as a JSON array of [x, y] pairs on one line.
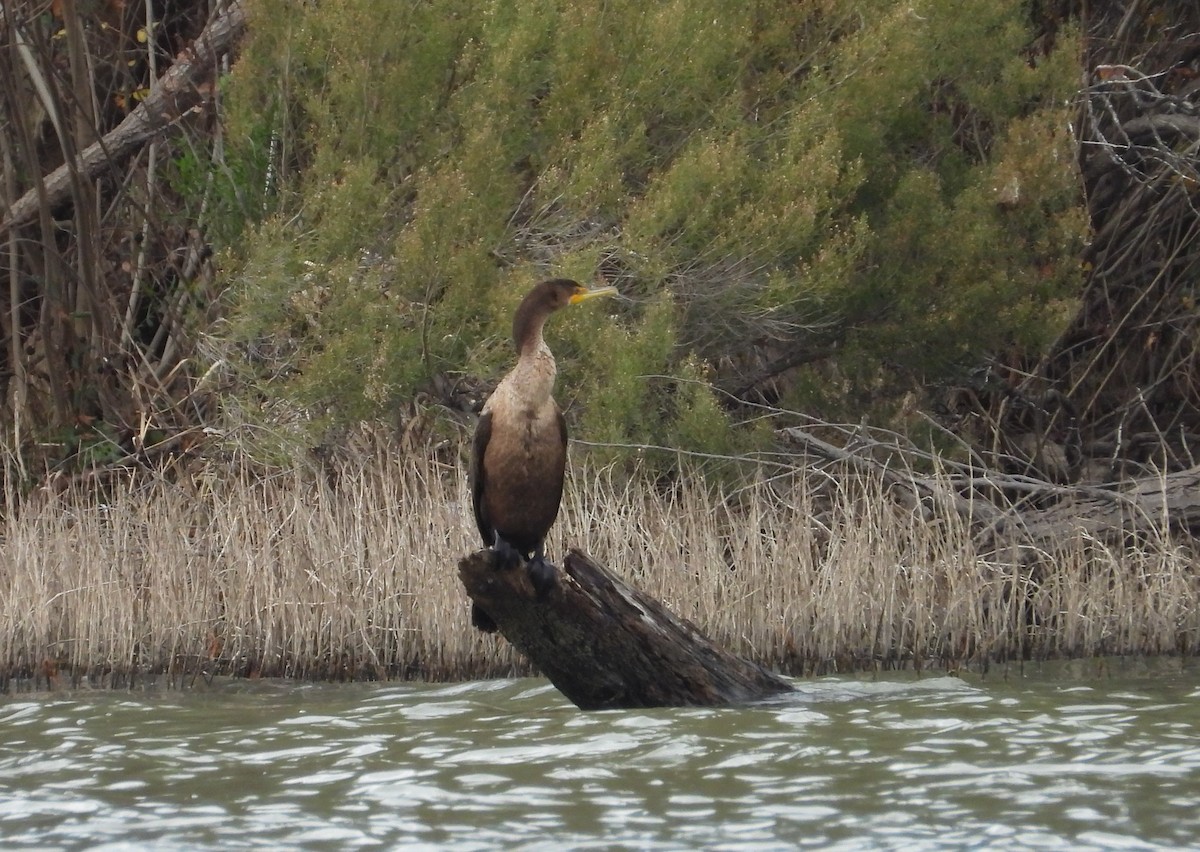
[[584, 295]]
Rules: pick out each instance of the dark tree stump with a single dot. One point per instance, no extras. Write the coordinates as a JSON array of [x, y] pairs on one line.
[[605, 645]]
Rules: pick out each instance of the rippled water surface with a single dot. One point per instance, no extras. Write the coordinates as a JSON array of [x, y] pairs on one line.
[[1076, 757]]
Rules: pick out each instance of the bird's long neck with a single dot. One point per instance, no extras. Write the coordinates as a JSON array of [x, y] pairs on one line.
[[533, 376], [527, 335]]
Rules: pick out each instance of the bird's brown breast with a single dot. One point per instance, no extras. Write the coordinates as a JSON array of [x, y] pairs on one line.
[[523, 467]]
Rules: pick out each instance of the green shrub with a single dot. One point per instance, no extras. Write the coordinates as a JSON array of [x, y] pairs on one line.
[[887, 185]]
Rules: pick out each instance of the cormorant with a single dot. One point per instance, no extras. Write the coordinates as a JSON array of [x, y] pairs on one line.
[[519, 455]]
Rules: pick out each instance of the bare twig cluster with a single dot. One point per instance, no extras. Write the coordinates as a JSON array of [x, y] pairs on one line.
[[1119, 393], [100, 287]]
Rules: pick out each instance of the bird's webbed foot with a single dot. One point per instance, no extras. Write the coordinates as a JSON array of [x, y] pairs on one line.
[[542, 575], [507, 556]]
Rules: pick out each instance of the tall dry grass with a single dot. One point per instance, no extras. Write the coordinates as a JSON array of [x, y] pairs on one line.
[[353, 575]]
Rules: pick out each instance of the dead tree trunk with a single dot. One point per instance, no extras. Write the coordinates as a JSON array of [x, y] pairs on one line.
[[605, 645]]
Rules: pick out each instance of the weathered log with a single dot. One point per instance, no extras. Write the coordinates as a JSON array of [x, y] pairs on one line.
[[1145, 506], [1110, 513], [605, 645]]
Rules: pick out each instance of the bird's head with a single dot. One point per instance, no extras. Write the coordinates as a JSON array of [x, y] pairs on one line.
[[543, 300]]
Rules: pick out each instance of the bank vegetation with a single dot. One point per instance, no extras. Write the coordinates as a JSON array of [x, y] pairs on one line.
[[233, 231], [349, 573]]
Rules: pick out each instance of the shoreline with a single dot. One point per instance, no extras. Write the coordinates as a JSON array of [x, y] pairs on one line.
[[352, 577]]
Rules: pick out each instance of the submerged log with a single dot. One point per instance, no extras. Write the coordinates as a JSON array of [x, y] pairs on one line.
[[605, 645]]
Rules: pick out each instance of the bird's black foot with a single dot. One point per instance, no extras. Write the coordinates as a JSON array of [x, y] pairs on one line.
[[480, 620], [543, 576], [507, 556]]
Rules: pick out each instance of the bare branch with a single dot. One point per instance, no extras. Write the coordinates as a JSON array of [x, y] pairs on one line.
[[175, 94]]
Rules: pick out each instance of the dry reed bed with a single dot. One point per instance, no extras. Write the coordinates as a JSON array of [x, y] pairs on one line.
[[296, 575]]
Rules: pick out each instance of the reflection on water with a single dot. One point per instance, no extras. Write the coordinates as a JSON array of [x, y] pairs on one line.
[[1041, 760]]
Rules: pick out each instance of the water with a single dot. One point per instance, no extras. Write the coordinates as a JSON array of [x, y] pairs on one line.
[[1072, 757]]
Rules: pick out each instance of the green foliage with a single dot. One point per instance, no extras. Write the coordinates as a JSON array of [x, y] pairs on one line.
[[969, 189], [889, 182], [624, 367]]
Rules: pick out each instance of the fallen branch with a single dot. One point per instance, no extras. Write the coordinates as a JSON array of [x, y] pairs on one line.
[[172, 96], [1047, 512], [1153, 504], [605, 645]]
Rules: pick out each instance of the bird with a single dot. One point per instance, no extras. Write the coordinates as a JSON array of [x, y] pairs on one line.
[[519, 454]]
